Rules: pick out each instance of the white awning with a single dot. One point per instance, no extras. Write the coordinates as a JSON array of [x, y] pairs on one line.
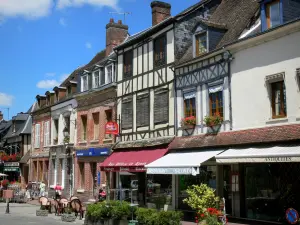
[[180, 163], [277, 154]]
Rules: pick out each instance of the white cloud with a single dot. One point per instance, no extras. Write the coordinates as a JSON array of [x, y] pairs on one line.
[[78, 3], [88, 45], [5, 99], [62, 22], [50, 74], [32, 9], [47, 84]]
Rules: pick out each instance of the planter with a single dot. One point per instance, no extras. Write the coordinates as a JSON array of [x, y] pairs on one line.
[[99, 222], [68, 217], [118, 222], [213, 129], [203, 222], [40, 212], [188, 126]]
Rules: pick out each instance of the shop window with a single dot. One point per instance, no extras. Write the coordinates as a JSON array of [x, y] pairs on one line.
[[278, 99], [189, 104], [160, 49], [96, 125], [201, 43], [84, 127], [142, 110], [127, 114], [216, 103], [161, 106], [82, 177], [128, 64]]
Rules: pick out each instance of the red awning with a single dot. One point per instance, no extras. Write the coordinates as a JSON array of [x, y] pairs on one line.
[[132, 161]]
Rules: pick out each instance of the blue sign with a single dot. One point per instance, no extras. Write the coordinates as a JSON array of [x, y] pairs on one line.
[[93, 152], [99, 178], [292, 216]]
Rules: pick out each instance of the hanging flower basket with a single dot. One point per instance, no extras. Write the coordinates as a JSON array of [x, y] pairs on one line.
[[213, 122], [188, 122]]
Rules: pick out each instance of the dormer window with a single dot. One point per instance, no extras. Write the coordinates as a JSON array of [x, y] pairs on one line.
[[200, 43], [84, 83], [96, 83], [109, 74], [273, 13]]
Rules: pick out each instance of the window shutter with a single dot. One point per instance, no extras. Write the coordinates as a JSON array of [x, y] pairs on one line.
[[142, 110], [161, 107], [127, 114]]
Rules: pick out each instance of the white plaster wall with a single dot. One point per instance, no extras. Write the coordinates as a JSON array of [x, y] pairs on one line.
[[250, 99]]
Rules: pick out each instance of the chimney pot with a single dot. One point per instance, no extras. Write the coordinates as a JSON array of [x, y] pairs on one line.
[[119, 21], [111, 20], [160, 11]]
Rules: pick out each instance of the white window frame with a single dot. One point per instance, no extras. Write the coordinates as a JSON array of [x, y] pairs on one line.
[[198, 32], [112, 73], [83, 88], [46, 134], [95, 84], [37, 137]]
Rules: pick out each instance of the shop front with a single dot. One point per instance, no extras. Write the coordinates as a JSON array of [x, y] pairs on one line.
[[186, 169], [12, 170], [88, 177], [132, 182], [264, 181]]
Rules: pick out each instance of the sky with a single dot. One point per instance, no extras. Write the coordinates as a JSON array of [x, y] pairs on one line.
[[43, 41]]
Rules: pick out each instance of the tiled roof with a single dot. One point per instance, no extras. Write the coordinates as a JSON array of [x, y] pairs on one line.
[[241, 137]]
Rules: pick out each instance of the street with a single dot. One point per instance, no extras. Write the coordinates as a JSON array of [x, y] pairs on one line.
[[24, 214]]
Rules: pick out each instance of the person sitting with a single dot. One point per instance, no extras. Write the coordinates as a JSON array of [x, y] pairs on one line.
[[58, 191]]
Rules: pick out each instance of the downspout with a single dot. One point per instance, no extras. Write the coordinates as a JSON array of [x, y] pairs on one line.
[[175, 91], [229, 90]]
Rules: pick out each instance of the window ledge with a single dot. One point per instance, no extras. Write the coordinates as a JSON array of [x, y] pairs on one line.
[[277, 120], [94, 141], [80, 190], [82, 142], [108, 140]]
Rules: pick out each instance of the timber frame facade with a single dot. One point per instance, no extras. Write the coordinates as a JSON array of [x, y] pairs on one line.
[[145, 88]]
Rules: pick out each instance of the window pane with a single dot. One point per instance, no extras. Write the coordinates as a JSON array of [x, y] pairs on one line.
[[190, 107], [216, 103], [201, 44], [96, 79], [109, 74], [160, 51], [274, 14], [278, 99]]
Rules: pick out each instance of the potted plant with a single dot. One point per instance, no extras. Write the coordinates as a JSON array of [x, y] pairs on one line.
[[188, 122], [42, 211], [120, 212], [68, 215], [214, 122], [201, 198]]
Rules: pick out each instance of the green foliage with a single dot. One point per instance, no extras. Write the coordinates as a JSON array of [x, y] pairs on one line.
[[212, 220], [99, 211], [201, 197], [159, 201], [120, 209], [154, 217]]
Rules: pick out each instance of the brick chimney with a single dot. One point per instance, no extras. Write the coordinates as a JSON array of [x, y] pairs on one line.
[[115, 34], [160, 11], [1, 116]]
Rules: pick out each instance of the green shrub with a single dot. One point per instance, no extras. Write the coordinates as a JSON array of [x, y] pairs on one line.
[[99, 211], [154, 217], [120, 209]]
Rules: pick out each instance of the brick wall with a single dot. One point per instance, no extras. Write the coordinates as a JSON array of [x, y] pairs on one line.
[[115, 35], [160, 12]]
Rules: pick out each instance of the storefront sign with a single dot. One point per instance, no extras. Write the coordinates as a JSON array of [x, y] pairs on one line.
[[182, 171], [278, 159], [11, 169], [292, 216], [8, 164], [93, 152], [124, 169], [111, 128], [259, 160]]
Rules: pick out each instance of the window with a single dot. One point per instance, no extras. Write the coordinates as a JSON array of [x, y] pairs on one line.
[[109, 74], [96, 125], [142, 110], [127, 114], [84, 127], [85, 83], [161, 107], [96, 79], [160, 51], [278, 99], [128, 64], [55, 172], [62, 166], [37, 136], [201, 44], [102, 77], [216, 103], [189, 104], [46, 134], [273, 13], [81, 172], [69, 90], [55, 134]]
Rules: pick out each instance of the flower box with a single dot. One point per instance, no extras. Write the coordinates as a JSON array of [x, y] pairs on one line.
[[188, 122]]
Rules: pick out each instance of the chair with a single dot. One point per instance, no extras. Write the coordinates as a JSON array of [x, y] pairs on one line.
[[45, 203], [55, 204], [62, 204], [73, 197], [77, 207]]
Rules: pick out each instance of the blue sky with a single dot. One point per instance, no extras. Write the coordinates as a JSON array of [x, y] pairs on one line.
[[45, 40]]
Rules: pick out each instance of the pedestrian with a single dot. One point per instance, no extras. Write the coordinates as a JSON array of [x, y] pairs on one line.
[[42, 189], [58, 191], [29, 190]]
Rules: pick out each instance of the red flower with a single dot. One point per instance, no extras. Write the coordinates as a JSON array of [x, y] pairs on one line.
[[202, 215]]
